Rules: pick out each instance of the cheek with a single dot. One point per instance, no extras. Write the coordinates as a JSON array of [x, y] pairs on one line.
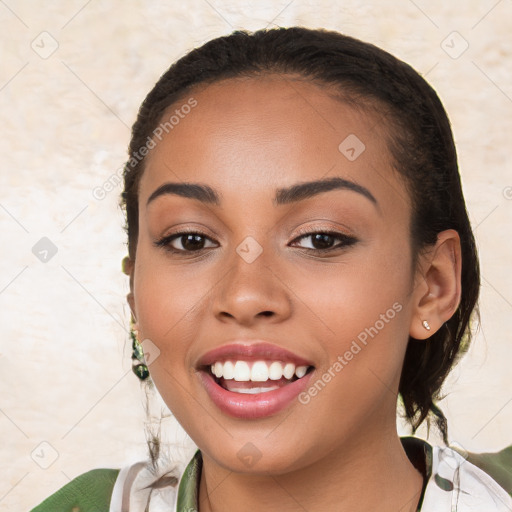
[[355, 292], [170, 302], [361, 309], [166, 293]]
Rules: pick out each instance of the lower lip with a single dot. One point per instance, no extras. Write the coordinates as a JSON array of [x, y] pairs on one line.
[[260, 405]]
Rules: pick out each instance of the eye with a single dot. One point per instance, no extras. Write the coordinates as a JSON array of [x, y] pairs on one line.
[[185, 242], [323, 240], [194, 241]]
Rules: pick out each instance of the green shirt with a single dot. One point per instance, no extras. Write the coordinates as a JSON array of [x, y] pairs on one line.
[[92, 491]]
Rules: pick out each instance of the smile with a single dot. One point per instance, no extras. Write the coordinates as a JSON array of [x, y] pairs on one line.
[[241, 376], [253, 381]]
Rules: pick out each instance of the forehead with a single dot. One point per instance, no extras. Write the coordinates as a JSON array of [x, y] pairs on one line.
[[261, 133]]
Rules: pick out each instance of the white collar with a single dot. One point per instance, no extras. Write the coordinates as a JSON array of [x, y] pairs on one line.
[[455, 485], [458, 485]]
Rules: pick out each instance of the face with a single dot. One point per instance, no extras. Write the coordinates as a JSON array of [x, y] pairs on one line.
[[255, 276]]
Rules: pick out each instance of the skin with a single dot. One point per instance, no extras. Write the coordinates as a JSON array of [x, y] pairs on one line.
[[246, 138]]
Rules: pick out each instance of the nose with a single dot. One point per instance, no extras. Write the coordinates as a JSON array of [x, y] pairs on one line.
[[252, 292]]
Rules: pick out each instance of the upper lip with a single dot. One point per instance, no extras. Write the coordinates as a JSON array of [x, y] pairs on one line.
[[251, 351]]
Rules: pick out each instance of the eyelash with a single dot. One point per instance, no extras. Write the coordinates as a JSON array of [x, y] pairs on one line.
[[346, 241]]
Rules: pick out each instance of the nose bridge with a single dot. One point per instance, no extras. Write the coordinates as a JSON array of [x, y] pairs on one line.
[[250, 287]]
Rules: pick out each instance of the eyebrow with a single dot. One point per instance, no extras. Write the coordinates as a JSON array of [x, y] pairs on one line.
[[286, 195], [309, 189], [198, 191]]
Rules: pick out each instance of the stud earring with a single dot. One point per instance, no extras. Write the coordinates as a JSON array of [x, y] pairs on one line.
[[138, 364], [426, 325]]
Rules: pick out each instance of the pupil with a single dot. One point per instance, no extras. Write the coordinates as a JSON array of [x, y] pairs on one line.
[[192, 242], [322, 241]]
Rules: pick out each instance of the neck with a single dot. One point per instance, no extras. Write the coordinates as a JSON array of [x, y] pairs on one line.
[[367, 473]]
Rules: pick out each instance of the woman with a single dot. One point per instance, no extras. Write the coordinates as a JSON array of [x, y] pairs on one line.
[[300, 255]]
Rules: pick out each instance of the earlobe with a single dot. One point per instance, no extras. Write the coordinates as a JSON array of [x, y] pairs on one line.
[[438, 296]]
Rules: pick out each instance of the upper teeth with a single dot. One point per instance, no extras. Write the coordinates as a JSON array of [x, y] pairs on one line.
[[258, 371]]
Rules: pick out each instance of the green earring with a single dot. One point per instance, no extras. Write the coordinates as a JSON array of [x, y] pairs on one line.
[[138, 364]]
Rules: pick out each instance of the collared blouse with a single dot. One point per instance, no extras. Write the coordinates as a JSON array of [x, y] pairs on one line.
[[451, 484]]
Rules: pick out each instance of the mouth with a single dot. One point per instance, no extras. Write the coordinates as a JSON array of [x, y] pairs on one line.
[[253, 381], [254, 377]]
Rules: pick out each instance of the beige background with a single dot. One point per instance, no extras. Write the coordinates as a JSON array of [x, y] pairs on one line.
[[65, 360]]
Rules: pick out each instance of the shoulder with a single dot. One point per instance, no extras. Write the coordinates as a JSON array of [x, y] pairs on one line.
[[141, 483], [456, 482], [88, 492], [144, 487], [138, 487], [498, 465]]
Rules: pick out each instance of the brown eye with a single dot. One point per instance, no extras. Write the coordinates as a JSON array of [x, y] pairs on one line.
[[191, 242], [324, 241], [184, 242]]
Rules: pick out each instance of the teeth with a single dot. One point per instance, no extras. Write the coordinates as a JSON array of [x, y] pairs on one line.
[[217, 369], [251, 391], [228, 370], [288, 370], [301, 371], [275, 372], [259, 371], [242, 372]]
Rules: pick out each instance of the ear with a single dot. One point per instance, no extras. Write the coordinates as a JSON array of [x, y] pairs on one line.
[[437, 292], [128, 268]]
